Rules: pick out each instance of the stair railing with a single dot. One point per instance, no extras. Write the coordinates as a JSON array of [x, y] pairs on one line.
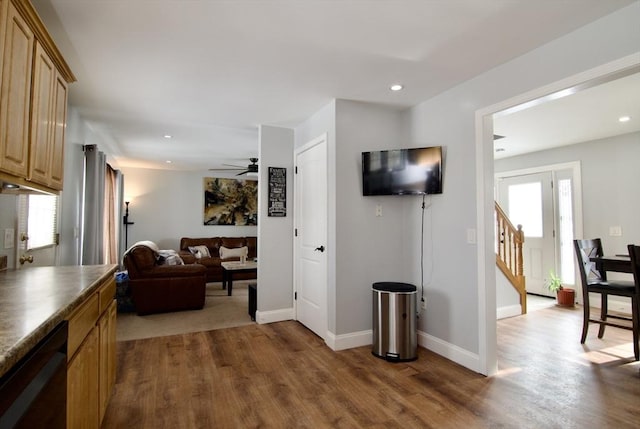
[[509, 240]]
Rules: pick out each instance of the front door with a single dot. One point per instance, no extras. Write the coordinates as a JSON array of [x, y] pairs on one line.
[[310, 277], [528, 200]]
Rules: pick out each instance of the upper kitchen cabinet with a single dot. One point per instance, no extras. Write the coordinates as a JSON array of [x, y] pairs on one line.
[[15, 91], [33, 100]]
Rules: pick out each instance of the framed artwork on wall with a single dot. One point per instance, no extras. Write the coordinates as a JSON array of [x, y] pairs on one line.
[[230, 201], [277, 192]]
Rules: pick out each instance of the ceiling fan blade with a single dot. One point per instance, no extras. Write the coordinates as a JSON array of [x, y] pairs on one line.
[[226, 169], [233, 165], [244, 172]]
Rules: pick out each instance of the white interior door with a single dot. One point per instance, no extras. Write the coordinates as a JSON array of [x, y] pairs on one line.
[[310, 194], [528, 201]]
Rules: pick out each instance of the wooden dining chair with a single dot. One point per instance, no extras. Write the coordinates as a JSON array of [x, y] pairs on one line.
[[594, 281]]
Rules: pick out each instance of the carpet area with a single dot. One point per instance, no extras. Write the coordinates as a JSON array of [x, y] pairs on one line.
[[220, 311]]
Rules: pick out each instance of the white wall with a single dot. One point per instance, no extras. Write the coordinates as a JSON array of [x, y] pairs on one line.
[[448, 119], [368, 248], [507, 299], [610, 176], [275, 243], [168, 205], [609, 188]]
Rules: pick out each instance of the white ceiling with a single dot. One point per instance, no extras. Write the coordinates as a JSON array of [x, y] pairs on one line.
[[210, 72], [589, 114]]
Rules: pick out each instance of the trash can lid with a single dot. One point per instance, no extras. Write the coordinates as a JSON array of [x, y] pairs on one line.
[[394, 287]]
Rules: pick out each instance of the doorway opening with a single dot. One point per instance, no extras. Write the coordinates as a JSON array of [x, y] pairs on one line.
[[485, 180]]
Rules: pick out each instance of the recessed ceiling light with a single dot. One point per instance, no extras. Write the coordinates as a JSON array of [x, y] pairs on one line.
[[396, 87], [167, 136], [168, 161], [624, 118]]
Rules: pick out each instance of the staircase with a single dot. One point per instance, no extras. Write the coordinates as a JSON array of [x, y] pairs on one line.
[[509, 240]]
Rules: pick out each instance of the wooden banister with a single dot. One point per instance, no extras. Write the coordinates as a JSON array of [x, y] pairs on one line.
[[509, 240]]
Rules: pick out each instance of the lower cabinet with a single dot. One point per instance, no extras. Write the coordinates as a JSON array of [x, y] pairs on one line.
[[91, 365], [107, 373], [82, 380]]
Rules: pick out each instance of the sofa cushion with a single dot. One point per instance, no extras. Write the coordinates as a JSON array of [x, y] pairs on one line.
[[209, 262], [213, 244], [232, 242], [212, 264], [252, 245], [200, 251], [237, 252]]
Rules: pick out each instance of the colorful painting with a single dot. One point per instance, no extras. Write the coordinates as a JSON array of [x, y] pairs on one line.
[[230, 201]]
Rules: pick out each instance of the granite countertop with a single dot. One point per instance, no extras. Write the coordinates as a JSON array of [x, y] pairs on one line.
[[34, 300]]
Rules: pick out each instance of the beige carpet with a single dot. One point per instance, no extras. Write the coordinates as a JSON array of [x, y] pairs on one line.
[[220, 311]]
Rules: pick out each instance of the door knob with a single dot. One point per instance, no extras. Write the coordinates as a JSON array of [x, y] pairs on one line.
[[321, 248], [26, 258]]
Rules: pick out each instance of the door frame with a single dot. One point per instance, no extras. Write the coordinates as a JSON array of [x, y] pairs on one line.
[[578, 229], [487, 329], [320, 140]]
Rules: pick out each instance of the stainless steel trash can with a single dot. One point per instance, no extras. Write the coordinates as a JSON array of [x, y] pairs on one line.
[[394, 321]]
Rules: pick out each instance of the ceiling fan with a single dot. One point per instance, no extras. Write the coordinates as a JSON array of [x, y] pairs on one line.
[[251, 168]]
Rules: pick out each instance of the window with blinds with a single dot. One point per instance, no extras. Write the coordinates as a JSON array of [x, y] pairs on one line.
[[38, 213]]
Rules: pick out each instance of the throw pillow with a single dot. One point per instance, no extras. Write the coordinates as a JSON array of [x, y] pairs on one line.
[[169, 257], [238, 252], [200, 251]]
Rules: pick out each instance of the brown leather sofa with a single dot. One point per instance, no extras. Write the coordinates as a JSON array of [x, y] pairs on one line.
[[163, 288], [212, 263]]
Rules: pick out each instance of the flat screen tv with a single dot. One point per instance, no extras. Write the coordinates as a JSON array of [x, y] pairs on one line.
[[416, 171]]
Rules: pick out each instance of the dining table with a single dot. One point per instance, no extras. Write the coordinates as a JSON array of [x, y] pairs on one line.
[[617, 263]]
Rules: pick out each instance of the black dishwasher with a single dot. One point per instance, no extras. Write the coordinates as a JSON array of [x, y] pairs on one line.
[[33, 394]]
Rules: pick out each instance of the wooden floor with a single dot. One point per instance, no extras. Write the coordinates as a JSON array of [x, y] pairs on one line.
[[282, 376]]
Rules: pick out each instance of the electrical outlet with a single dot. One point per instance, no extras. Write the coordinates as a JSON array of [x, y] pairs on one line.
[[615, 231], [423, 304], [378, 210]]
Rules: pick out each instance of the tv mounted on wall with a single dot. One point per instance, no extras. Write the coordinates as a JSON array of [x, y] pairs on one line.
[[416, 171]]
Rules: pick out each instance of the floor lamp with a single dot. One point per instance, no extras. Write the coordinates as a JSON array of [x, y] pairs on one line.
[[126, 225]]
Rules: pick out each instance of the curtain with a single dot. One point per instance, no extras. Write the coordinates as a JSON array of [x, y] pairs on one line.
[[93, 204], [110, 233]]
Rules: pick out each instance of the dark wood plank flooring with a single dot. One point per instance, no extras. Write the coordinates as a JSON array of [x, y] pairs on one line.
[[282, 376]]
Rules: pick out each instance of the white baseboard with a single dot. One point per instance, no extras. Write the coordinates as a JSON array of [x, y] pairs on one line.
[[364, 338], [349, 341], [450, 351], [273, 316], [508, 311]]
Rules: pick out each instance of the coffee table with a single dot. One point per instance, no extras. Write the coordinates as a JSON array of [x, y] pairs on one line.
[[231, 267]]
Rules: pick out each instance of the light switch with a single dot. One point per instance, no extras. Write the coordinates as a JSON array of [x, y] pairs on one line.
[[378, 210], [9, 235], [615, 231], [471, 236]]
